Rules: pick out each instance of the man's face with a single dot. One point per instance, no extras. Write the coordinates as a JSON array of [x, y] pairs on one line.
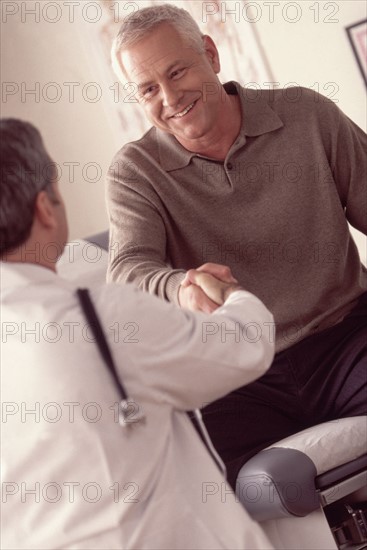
[[177, 86]]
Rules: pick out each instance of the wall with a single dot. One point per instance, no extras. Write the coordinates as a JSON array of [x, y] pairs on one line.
[[34, 54], [314, 50], [35, 50]]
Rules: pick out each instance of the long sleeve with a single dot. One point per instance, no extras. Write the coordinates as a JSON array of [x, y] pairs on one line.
[[276, 214], [349, 164], [187, 359], [137, 251]]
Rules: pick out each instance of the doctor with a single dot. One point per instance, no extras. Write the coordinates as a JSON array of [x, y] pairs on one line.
[[72, 475]]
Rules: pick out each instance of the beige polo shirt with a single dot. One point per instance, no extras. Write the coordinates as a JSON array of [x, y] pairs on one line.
[[275, 211]]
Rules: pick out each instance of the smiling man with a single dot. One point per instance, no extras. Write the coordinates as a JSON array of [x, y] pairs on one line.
[[176, 90], [263, 182]]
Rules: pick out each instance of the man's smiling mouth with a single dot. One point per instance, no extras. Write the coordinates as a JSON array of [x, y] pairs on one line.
[[184, 112]]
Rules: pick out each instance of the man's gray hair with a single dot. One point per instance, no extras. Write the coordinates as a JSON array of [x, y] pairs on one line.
[[25, 170], [139, 23]]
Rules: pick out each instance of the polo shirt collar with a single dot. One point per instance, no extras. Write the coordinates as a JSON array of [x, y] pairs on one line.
[[172, 155], [257, 118]]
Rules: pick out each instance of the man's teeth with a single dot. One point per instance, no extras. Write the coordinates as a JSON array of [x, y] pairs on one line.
[[184, 112]]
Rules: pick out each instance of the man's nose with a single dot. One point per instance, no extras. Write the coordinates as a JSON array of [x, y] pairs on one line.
[[171, 95]]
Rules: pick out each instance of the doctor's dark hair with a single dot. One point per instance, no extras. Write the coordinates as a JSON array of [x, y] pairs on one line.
[[25, 170], [136, 26]]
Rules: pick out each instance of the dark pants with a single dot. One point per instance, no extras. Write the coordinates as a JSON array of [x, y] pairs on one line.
[[321, 378]]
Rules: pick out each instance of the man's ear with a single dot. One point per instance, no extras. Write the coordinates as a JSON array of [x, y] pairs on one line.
[[211, 53], [44, 210]]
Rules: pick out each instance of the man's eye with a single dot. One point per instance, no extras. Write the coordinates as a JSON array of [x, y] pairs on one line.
[[177, 73], [147, 92]]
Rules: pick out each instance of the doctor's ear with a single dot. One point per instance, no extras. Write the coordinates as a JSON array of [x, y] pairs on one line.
[[211, 53], [44, 210]]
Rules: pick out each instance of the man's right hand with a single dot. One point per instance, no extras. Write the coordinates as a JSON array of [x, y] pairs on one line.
[[206, 288], [192, 297]]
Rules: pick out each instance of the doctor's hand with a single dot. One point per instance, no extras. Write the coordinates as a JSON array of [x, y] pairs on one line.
[[206, 288]]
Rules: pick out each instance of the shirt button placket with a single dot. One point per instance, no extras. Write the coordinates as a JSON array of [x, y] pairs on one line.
[[229, 168]]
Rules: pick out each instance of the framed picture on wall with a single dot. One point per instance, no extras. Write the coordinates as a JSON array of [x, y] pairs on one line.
[[357, 34]]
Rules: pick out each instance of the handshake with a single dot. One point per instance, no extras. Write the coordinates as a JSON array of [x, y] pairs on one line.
[[207, 288]]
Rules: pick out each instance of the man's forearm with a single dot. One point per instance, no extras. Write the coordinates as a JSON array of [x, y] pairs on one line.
[[147, 275]]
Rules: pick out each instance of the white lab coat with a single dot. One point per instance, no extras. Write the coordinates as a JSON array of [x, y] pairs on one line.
[[72, 477]]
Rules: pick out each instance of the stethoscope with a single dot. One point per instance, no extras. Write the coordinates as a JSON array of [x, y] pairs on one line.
[[128, 404]]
